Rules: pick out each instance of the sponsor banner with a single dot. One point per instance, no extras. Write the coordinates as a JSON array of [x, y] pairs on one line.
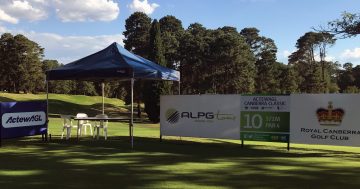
[[23, 119], [206, 116], [265, 118], [331, 119]]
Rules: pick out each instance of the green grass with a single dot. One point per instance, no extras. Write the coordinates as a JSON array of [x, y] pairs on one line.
[[173, 163], [72, 104]]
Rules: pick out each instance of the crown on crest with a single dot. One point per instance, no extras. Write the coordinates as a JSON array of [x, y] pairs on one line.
[[330, 116]]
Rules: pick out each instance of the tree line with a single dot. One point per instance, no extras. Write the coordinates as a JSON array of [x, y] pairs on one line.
[[214, 61]]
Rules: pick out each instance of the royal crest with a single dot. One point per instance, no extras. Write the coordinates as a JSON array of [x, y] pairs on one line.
[[330, 116]]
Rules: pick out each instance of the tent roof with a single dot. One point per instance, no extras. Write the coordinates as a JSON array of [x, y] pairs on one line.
[[113, 62]]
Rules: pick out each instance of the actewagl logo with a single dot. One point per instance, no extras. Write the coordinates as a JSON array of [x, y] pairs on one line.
[[172, 116], [22, 119]]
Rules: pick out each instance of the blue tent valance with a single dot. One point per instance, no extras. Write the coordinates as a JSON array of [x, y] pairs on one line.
[[112, 63]]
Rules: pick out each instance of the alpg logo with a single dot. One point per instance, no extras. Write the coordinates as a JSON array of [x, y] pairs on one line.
[[172, 116]]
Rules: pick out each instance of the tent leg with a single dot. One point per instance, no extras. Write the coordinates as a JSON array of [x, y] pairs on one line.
[[132, 114], [103, 98], [0, 137], [179, 87], [47, 110]]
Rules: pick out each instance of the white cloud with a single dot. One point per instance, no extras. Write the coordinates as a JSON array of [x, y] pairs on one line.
[[2, 29], [287, 53], [143, 6], [328, 58], [12, 11], [89, 10], [7, 18], [66, 49], [351, 54]]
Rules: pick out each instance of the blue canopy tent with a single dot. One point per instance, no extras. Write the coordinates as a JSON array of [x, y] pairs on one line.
[[113, 63]]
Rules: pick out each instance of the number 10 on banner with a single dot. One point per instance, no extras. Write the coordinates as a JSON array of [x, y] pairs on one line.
[[253, 121], [265, 121]]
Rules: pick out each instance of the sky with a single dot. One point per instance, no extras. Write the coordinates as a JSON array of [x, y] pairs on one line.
[[71, 29]]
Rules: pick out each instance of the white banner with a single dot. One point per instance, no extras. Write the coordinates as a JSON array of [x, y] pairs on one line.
[[22, 119], [206, 116], [331, 119]]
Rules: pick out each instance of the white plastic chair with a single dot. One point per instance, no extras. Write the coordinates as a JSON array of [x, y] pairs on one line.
[[101, 124], [67, 124], [83, 123]]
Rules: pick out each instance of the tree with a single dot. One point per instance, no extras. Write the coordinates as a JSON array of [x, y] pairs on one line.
[[346, 77], [29, 56], [170, 24], [230, 60], [287, 79], [49, 65], [154, 89], [136, 33], [212, 57], [347, 26], [193, 50], [171, 32], [8, 69], [264, 50], [314, 77], [324, 40], [356, 74], [21, 66], [59, 87], [84, 88]]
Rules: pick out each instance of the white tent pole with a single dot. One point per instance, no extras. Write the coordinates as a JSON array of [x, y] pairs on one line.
[[47, 109], [103, 98], [132, 113]]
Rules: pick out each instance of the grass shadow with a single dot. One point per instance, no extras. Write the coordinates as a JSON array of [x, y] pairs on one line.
[[169, 164], [4, 99], [58, 107]]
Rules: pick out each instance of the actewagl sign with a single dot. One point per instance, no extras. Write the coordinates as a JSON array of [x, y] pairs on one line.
[[23, 118]]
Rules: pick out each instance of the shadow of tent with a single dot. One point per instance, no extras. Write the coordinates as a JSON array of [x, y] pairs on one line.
[[156, 165]]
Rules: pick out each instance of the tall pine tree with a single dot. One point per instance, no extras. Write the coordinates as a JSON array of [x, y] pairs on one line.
[[153, 89], [137, 28]]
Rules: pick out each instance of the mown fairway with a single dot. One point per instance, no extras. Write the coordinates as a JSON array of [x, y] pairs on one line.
[[173, 163]]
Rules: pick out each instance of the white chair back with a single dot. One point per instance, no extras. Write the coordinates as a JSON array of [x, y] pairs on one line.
[[81, 115]]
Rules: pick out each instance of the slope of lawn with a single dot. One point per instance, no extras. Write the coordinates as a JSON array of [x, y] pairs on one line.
[[72, 104], [173, 163]]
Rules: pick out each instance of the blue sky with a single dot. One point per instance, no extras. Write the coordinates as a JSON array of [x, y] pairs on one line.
[[71, 29]]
